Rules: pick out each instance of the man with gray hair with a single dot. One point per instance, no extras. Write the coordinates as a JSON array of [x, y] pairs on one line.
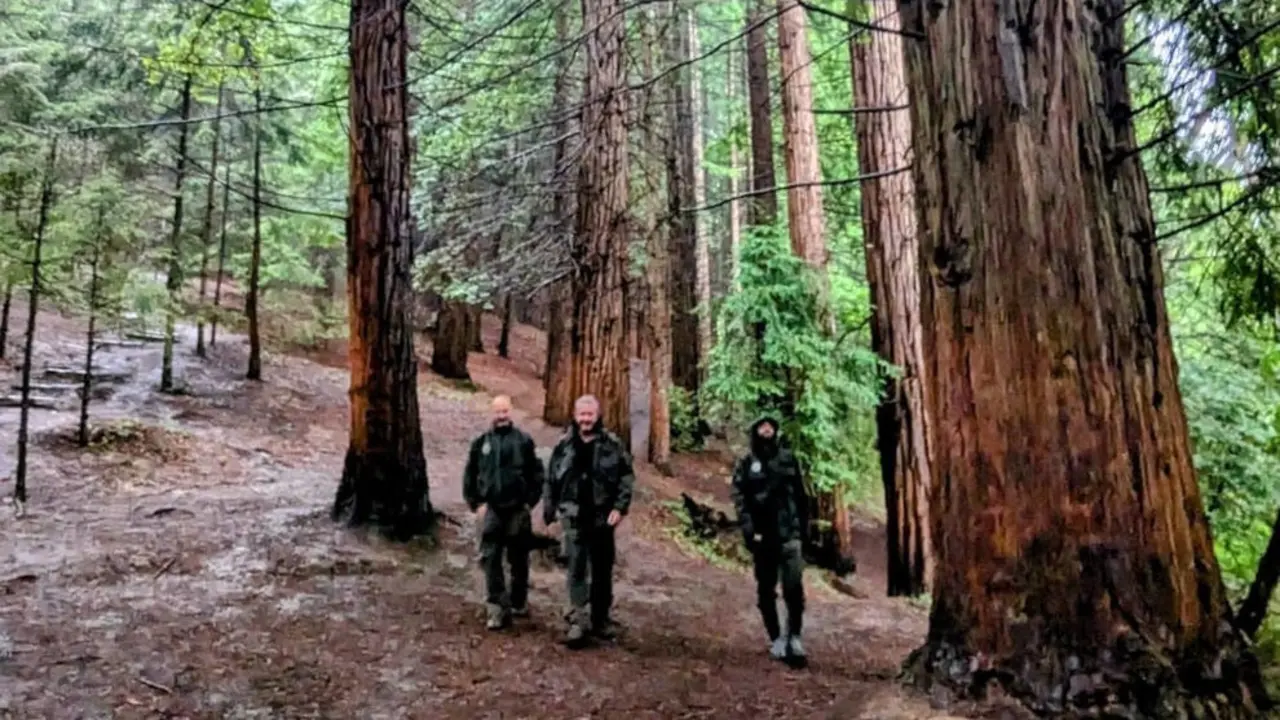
[[589, 486]]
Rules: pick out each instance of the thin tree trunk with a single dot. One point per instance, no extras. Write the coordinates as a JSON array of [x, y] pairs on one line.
[[475, 329], [4, 319], [1254, 609], [24, 411], [735, 186], [600, 362], [255, 260], [1072, 547], [384, 479], [174, 282], [762, 208], [504, 339], [557, 375], [658, 318], [206, 229], [702, 246], [86, 385], [222, 256], [889, 227]]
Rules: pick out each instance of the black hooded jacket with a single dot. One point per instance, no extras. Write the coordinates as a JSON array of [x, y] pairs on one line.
[[768, 491]]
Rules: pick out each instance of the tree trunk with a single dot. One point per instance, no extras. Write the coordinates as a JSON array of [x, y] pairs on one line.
[[384, 479], [174, 281], [4, 319], [557, 379], [206, 229], [86, 385], [475, 327], [1074, 563], [452, 341], [254, 371], [222, 256], [800, 138], [600, 362], [701, 243], [33, 302], [763, 208], [504, 338], [657, 270], [889, 226], [682, 168], [735, 188], [1254, 609]]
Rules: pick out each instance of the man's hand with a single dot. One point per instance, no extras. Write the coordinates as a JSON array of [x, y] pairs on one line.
[[615, 517], [481, 509]]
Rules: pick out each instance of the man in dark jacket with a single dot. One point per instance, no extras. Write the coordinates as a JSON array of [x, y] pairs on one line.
[[769, 496], [589, 484], [502, 482]]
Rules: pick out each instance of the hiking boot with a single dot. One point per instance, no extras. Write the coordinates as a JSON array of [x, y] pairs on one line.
[[576, 637], [497, 617], [520, 612], [606, 630], [778, 648], [795, 652]]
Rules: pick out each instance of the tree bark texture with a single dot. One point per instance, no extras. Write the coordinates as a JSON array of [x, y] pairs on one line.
[[889, 226], [222, 255], [600, 362], [735, 184], [557, 374], [384, 480], [657, 270], [1074, 563], [701, 239], [681, 170], [763, 208], [1254, 608], [800, 138]]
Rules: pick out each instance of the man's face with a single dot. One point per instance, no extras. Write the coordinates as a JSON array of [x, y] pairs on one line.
[[501, 412], [586, 414], [765, 431]]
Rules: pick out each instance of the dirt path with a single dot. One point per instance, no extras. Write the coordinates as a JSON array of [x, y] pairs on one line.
[[190, 570]]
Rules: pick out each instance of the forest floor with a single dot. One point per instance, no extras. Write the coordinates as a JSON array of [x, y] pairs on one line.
[[185, 566]]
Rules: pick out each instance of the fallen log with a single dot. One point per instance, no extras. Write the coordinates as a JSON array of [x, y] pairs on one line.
[[77, 374], [48, 388], [144, 337], [121, 344]]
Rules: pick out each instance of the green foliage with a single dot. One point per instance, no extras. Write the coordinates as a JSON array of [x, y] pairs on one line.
[[774, 356], [684, 419]]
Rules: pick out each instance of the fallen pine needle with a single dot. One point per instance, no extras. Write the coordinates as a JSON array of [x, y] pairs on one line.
[[165, 568], [155, 685]]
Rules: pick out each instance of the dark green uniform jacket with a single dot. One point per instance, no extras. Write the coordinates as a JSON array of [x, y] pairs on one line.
[[503, 471]]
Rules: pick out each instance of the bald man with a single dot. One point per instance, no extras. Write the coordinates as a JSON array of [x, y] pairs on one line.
[[502, 482], [589, 485]]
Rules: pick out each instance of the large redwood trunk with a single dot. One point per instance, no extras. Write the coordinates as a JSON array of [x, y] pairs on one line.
[[1074, 561], [657, 237], [682, 167], [384, 480], [600, 362], [763, 209], [889, 227], [557, 374]]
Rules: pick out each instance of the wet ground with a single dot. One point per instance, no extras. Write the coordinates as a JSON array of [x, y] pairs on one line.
[[185, 566]]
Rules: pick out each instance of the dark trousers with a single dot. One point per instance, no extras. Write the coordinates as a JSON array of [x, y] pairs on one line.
[[506, 532], [774, 562], [590, 577]]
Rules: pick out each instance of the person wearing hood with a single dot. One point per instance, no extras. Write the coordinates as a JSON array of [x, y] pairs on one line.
[[589, 487], [501, 484], [773, 510]]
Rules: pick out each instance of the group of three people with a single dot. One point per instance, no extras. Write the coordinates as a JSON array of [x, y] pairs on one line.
[[587, 486]]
